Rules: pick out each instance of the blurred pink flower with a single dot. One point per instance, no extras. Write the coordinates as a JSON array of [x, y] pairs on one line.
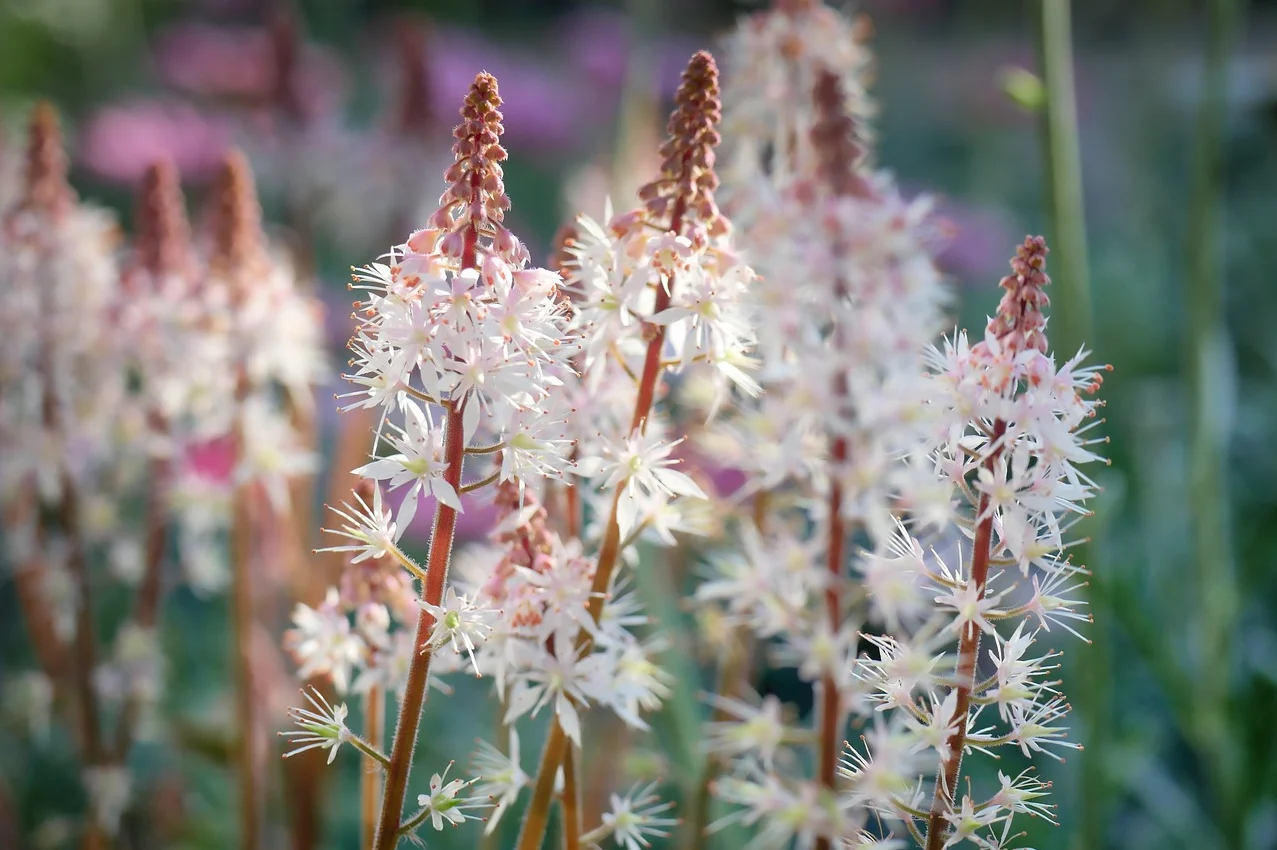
[[120, 142], [598, 43], [544, 107], [243, 63], [213, 460]]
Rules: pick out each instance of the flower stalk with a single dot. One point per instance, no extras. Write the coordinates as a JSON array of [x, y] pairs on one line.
[[162, 250], [237, 257], [685, 185], [370, 780], [414, 695]]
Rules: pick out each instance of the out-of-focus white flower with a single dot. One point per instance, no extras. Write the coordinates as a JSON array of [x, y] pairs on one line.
[[500, 777], [635, 818], [110, 789], [323, 642]]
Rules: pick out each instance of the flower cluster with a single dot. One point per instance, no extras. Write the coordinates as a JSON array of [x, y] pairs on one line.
[[123, 371], [1009, 440], [834, 448], [461, 347], [455, 319], [540, 588], [658, 290], [772, 60]]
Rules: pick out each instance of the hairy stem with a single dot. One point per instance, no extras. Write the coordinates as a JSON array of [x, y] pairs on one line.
[[968, 653], [370, 780], [414, 698]]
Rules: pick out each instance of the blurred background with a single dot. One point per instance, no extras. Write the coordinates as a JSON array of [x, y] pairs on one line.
[[344, 109]]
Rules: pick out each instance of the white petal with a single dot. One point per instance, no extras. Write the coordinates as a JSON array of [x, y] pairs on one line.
[[679, 483], [444, 492], [569, 719]]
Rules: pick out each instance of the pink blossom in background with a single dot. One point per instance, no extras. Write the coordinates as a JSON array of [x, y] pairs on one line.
[[598, 44], [120, 142], [726, 480], [213, 460], [242, 63], [544, 107]]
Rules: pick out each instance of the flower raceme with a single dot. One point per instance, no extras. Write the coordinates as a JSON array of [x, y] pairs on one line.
[[1010, 434], [462, 347]]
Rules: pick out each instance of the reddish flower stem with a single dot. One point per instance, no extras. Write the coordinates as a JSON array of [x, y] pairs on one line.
[[146, 606], [571, 801], [830, 704], [537, 818], [248, 779], [968, 654], [828, 738], [370, 783], [414, 698], [49, 647]]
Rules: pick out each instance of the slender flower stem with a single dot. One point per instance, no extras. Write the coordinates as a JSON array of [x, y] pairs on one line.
[[485, 450], [571, 801], [370, 780], [830, 704], [147, 604], [414, 698], [83, 647], [733, 673], [538, 814], [731, 678], [1071, 325], [248, 780], [49, 647], [968, 653], [480, 484]]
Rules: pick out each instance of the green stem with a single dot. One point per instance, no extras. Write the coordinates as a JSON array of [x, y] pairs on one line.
[[1071, 328], [1071, 318], [1209, 375]]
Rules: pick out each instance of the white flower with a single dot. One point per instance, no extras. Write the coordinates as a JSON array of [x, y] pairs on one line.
[[635, 818], [748, 729], [459, 622], [324, 727], [641, 467], [561, 677], [110, 788], [501, 777], [443, 804], [419, 462], [323, 642], [372, 528]]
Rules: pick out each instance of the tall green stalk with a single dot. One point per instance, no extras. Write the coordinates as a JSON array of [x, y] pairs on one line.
[[1071, 327], [1210, 376], [1071, 298]]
